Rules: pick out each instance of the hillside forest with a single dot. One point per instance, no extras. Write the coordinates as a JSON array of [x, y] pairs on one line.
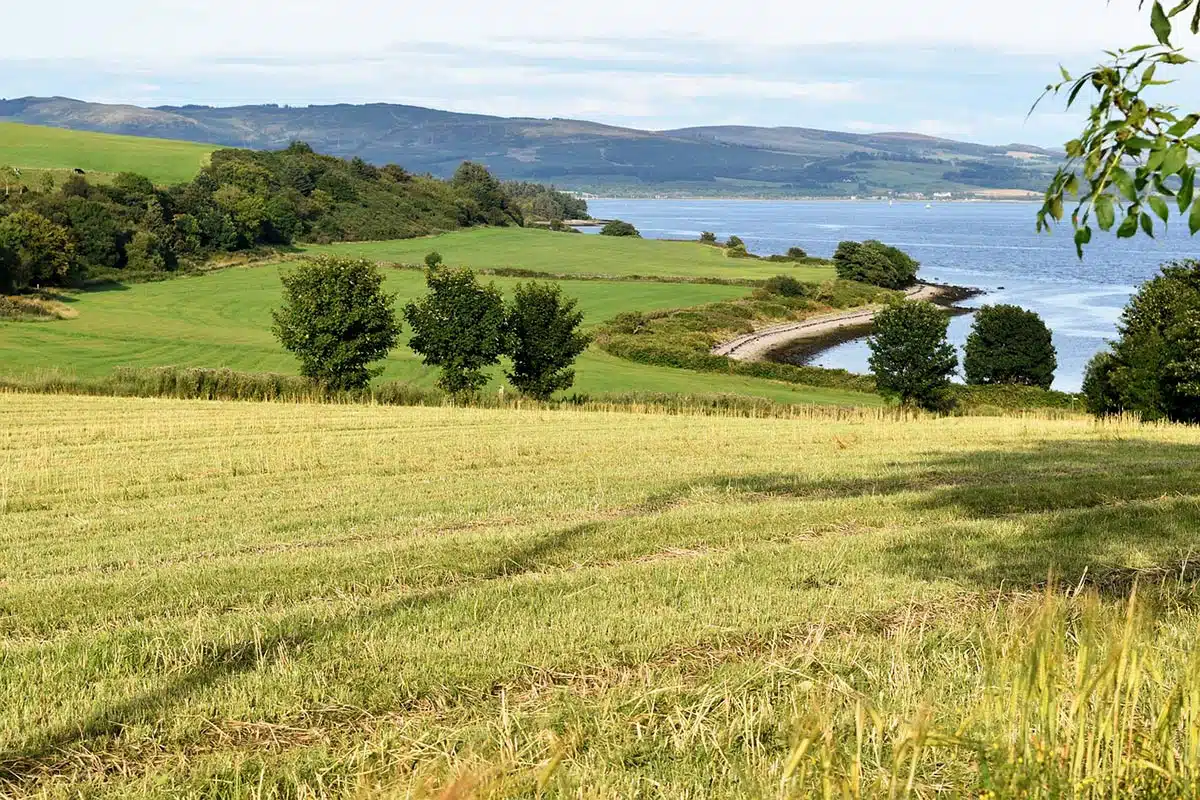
[[242, 200]]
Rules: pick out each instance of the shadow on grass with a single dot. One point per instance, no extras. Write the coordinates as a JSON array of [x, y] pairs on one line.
[[1105, 514], [47, 751], [1086, 512]]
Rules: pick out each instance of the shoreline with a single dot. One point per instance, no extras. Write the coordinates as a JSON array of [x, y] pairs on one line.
[[809, 338]]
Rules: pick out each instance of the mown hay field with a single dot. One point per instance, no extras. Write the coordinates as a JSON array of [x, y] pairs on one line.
[[289, 600]]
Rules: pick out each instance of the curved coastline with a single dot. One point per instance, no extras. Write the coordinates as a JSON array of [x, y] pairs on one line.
[[800, 342]]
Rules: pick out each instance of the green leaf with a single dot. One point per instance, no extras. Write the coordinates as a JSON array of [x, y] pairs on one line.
[[1074, 148], [1105, 216], [1160, 24], [1128, 227], [1066, 75], [1056, 208], [1159, 206], [1082, 237], [1135, 143], [1183, 126], [1148, 75], [1174, 160], [1175, 59], [1194, 219], [1187, 188], [1124, 184], [1147, 224]]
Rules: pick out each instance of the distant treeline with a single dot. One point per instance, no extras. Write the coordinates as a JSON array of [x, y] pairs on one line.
[[541, 202], [243, 200]]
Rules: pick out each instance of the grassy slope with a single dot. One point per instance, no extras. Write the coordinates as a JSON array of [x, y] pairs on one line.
[[223, 320], [343, 597], [38, 149], [575, 254]]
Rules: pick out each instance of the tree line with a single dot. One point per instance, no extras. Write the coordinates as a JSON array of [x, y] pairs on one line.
[[242, 200], [337, 320]]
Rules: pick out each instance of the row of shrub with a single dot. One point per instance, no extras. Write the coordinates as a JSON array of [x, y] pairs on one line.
[[242, 200]]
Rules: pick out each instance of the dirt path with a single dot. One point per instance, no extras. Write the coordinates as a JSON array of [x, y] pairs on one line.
[[755, 346]]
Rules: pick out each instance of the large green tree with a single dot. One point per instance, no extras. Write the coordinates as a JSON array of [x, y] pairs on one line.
[[1154, 366], [337, 320], [1009, 344], [459, 327], [34, 251], [1132, 161]]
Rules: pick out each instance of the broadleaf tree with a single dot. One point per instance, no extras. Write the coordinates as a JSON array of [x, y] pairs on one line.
[[1132, 162], [459, 327], [544, 339], [337, 320]]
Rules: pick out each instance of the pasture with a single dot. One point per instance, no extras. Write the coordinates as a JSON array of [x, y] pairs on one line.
[[223, 319], [564, 253], [36, 150], [289, 600]]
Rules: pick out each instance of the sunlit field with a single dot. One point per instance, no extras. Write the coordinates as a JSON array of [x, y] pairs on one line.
[[290, 600], [223, 320], [36, 150]]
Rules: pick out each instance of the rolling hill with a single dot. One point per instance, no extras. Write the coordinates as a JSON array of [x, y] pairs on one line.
[[577, 154], [35, 150]]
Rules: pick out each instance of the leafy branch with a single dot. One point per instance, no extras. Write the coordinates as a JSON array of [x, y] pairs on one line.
[[1132, 158]]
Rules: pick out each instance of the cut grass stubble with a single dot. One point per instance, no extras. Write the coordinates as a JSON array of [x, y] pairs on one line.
[[299, 600]]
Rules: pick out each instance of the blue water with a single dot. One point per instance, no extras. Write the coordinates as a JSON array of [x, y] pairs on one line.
[[990, 246]]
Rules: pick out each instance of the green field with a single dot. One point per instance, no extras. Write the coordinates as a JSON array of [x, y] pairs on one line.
[[562, 253], [36, 149], [290, 600], [223, 319]]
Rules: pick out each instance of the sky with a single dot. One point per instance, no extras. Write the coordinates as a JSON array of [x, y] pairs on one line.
[[966, 69]]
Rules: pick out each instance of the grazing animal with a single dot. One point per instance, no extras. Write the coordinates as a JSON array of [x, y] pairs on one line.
[[78, 171]]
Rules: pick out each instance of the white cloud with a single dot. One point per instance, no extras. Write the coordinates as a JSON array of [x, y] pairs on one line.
[[188, 28]]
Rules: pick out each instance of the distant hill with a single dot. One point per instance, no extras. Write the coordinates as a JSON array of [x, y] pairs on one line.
[[35, 150], [577, 154]]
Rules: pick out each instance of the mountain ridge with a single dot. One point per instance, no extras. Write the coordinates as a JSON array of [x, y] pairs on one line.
[[578, 154]]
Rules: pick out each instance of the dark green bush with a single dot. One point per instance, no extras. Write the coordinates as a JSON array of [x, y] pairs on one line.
[[789, 287], [1008, 344], [1099, 392], [708, 237], [619, 228], [875, 263]]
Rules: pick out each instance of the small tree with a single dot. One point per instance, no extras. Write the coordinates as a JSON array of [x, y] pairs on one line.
[[1009, 345], [544, 337], [459, 326], [433, 260], [708, 237], [735, 242], [619, 228], [336, 319], [910, 355], [797, 253]]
